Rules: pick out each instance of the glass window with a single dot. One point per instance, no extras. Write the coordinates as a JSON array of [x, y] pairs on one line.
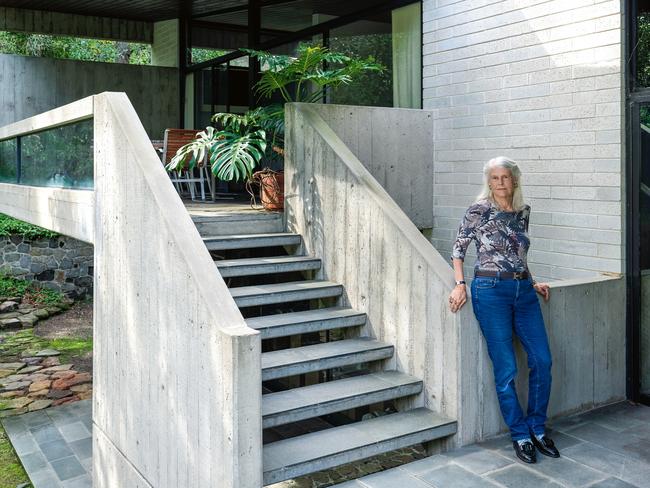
[[642, 48], [8, 161], [59, 157]]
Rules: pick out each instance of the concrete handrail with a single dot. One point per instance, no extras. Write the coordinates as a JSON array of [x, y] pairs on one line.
[[388, 268], [177, 373]]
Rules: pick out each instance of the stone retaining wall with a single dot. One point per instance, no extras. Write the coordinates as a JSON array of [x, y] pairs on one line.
[[60, 263]]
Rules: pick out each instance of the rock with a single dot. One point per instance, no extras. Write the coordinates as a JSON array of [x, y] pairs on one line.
[[41, 313], [53, 310], [24, 485], [25, 306], [18, 385], [28, 320], [38, 394], [39, 385], [51, 361], [10, 315], [86, 395], [30, 369], [58, 394], [19, 402], [12, 366], [5, 372], [14, 378], [48, 352], [11, 394], [8, 306], [57, 368], [11, 413], [33, 361], [65, 384], [37, 377], [81, 388], [10, 322], [39, 405], [63, 401]]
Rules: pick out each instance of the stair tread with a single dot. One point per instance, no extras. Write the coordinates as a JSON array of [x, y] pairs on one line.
[[288, 454], [332, 391], [315, 352], [305, 285], [282, 319], [244, 241], [233, 263]]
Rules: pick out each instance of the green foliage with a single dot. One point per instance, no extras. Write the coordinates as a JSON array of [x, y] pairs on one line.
[[302, 78], [643, 50], [12, 287], [63, 47], [199, 55], [71, 347], [10, 226]]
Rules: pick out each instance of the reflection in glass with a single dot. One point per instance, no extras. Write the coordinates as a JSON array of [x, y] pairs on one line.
[[59, 157], [8, 161], [642, 49]]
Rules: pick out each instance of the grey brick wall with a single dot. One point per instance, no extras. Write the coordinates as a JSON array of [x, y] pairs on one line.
[[540, 82]]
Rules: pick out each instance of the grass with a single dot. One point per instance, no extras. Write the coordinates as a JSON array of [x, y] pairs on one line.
[[12, 287], [12, 473], [70, 348]]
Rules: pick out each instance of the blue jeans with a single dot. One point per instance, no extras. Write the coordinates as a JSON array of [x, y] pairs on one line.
[[501, 306]]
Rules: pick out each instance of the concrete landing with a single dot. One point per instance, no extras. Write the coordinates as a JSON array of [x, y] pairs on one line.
[[55, 445], [605, 448]]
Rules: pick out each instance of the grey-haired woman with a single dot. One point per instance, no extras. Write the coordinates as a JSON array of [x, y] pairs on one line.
[[504, 299]]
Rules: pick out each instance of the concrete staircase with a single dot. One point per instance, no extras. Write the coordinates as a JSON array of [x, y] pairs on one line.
[[286, 359]]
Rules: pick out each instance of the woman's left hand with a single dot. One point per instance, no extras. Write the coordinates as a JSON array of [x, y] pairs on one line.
[[543, 289]]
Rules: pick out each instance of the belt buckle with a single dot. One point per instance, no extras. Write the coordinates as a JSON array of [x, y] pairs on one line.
[[518, 275]]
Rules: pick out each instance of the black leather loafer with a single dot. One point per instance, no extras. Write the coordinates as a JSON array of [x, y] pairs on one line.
[[546, 447], [525, 452]]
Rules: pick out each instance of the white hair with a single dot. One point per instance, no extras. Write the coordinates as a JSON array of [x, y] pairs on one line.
[[509, 164]]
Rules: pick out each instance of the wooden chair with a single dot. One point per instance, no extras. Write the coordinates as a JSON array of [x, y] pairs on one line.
[[173, 141]]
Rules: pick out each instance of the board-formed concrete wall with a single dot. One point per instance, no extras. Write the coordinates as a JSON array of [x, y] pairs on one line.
[[60, 24], [394, 144], [29, 86], [538, 81]]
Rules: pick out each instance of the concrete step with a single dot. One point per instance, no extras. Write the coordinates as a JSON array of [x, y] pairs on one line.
[[237, 223], [290, 458], [250, 241], [259, 266], [318, 357], [249, 296], [335, 396], [286, 324]]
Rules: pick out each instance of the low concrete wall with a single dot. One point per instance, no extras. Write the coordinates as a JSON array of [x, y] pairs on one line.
[[585, 322], [394, 144], [30, 86], [58, 263]]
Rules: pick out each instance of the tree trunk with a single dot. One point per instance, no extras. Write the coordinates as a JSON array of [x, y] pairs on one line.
[[123, 52]]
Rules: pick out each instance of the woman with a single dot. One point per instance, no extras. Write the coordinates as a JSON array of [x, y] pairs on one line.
[[504, 299]]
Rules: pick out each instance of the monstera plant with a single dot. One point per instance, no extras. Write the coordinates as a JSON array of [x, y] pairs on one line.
[[243, 141]]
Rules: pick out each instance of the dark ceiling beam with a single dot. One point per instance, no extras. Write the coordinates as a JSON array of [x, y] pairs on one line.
[[236, 28], [240, 8]]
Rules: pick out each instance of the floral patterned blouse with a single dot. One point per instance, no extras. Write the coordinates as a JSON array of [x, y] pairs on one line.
[[501, 237]]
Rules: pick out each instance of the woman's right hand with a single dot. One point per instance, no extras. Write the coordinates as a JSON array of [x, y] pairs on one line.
[[457, 298]]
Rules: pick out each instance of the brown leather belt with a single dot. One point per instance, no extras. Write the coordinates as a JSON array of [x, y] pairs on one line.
[[504, 275]]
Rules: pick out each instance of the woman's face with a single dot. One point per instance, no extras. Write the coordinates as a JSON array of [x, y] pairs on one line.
[[501, 182]]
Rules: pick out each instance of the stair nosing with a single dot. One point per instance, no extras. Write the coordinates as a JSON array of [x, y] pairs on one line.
[[285, 324]]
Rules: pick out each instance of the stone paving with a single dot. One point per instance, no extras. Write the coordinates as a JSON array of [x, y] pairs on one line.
[[55, 445], [604, 448]]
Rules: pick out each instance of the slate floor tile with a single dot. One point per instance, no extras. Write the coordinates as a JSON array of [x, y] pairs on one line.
[[56, 450], [456, 477], [34, 461], [612, 483], [393, 478], [85, 481], [83, 448], [517, 476], [46, 433], [74, 431], [68, 468], [566, 471], [427, 464], [482, 461], [606, 461], [44, 478], [24, 443]]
